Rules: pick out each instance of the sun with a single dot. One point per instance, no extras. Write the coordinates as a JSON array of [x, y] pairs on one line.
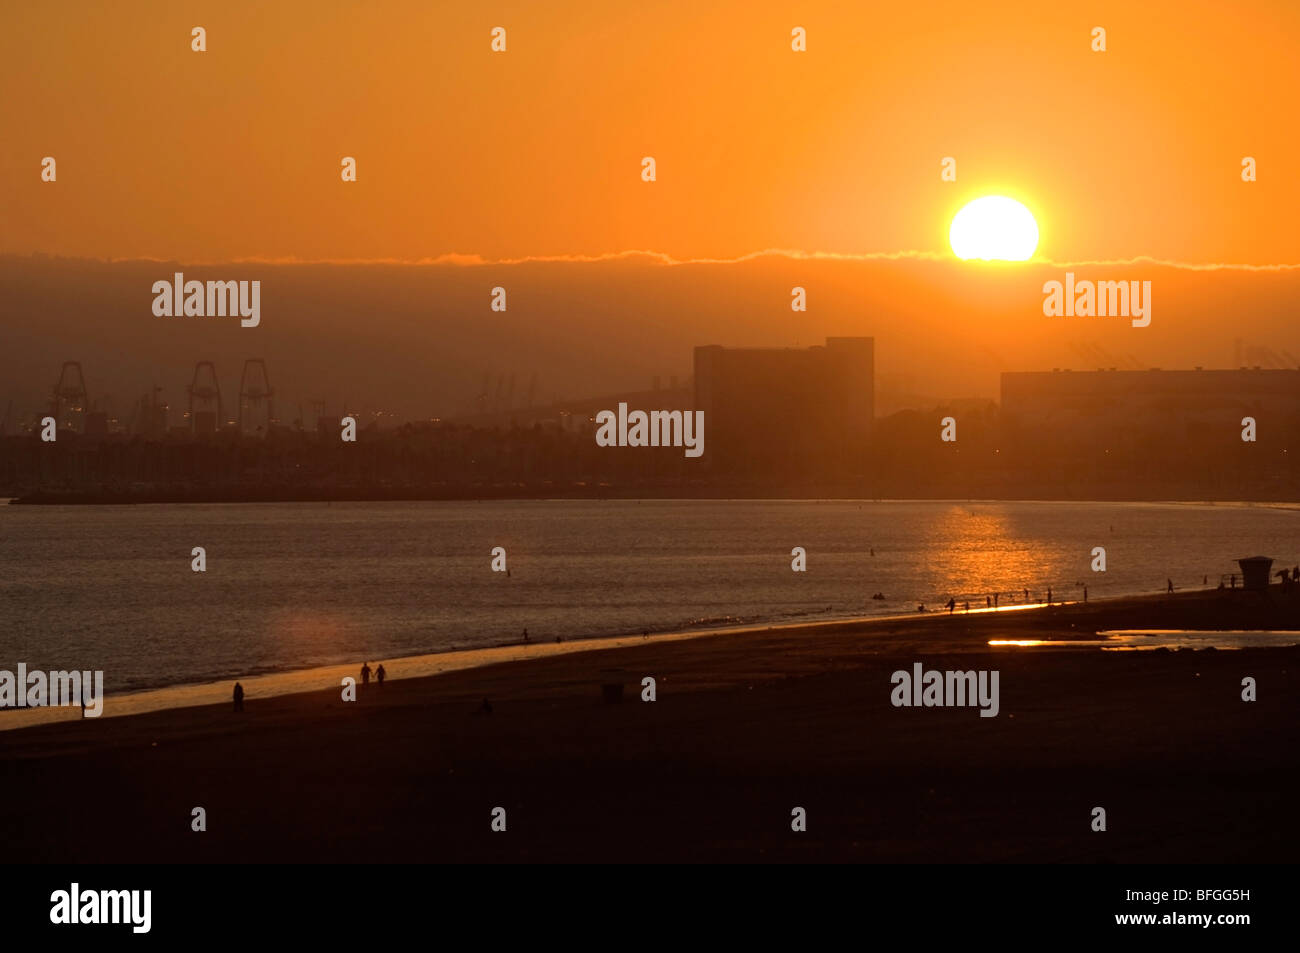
[[994, 228]]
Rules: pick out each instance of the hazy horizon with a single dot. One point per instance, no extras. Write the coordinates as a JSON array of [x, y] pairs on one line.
[[419, 340]]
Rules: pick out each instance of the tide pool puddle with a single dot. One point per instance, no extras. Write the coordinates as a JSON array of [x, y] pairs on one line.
[[1138, 640]]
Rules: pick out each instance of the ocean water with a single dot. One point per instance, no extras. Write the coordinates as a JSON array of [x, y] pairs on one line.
[[298, 585]]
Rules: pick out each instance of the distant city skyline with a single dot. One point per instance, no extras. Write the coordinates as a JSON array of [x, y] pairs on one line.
[[249, 407], [419, 342]]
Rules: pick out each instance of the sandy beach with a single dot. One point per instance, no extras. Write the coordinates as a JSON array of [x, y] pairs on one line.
[[747, 725]]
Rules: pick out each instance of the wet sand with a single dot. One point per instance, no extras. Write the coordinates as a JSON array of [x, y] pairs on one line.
[[747, 725], [414, 666]]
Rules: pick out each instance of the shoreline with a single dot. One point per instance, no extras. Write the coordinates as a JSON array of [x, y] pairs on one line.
[[300, 681], [293, 682]]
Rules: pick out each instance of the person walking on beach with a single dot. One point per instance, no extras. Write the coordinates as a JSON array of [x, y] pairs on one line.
[[988, 602], [239, 698], [1049, 595], [1171, 586], [1026, 595], [952, 605], [995, 599], [365, 673], [525, 633], [379, 674], [1085, 593]]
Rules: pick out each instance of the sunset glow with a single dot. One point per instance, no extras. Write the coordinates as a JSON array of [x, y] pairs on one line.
[[645, 434]]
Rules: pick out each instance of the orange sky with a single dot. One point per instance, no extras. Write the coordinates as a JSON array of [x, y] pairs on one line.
[[234, 153]]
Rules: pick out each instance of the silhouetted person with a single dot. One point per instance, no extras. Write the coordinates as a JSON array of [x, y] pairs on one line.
[[995, 599], [1233, 580], [1026, 595], [379, 674], [525, 634], [1085, 593], [988, 602], [1171, 586], [1049, 595], [239, 697], [965, 607], [1205, 580], [365, 673], [952, 605]]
